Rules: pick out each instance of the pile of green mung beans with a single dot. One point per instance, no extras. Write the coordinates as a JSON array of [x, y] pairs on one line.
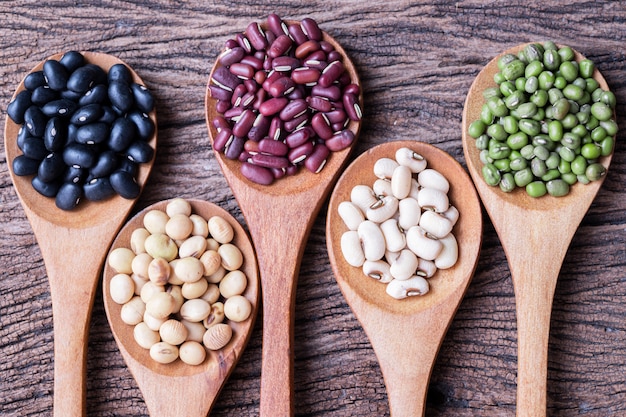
[[546, 123]]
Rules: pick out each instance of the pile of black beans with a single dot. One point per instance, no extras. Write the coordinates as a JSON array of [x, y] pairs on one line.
[[84, 130]]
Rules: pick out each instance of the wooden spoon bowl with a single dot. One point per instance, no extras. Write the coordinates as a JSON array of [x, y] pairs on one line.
[[73, 245], [406, 334], [535, 234], [280, 217], [194, 387]]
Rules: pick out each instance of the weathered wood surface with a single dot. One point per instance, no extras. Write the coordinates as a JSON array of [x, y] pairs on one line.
[[416, 61]]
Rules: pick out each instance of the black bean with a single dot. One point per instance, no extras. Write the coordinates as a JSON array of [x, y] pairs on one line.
[[34, 80], [143, 123], [34, 148], [55, 136], [43, 94], [19, 105], [122, 134], [108, 115], [56, 74], [97, 94], [105, 165], [82, 79], [47, 189], [101, 75], [35, 121], [92, 133], [51, 168], [98, 189], [74, 96], [129, 166], [124, 184], [143, 98], [75, 175], [87, 114], [63, 107], [22, 134], [68, 196], [121, 73], [140, 152], [121, 96], [72, 60], [72, 131], [23, 165], [78, 154]]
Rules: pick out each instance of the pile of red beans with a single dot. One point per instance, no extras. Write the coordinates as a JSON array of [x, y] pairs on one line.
[[285, 99]]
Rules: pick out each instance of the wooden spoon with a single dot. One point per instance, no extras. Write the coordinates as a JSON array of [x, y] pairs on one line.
[[73, 245], [178, 389], [280, 218], [535, 234], [406, 334]]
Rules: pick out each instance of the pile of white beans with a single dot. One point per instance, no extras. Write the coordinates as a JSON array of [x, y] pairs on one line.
[[180, 283], [400, 228]]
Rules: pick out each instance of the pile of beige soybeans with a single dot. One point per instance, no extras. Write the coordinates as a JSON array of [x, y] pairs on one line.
[[180, 283], [400, 228]]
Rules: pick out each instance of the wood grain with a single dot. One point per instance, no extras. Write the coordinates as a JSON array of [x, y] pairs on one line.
[[416, 61]]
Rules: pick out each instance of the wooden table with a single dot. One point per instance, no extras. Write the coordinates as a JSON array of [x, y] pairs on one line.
[[416, 61]]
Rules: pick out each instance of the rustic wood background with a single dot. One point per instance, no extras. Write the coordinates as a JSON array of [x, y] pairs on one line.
[[416, 60]]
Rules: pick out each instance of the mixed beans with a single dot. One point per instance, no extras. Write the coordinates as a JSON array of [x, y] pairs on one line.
[[400, 228], [180, 283], [546, 124], [84, 130], [285, 99]]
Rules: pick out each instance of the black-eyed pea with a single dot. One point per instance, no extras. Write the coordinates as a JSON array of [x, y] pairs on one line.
[[195, 310], [137, 239], [426, 268], [217, 336], [189, 269], [121, 259], [220, 230], [415, 189], [433, 199], [351, 215], [154, 221], [139, 283], [405, 266], [378, 270], [382, 187], [395, 240], [216, 277], [233, 283], [372, 240], [178, 227], [121, 288], [363, 197], [449, 254], [153, 323], [216, 315], [431, 178], [161, 246], [211, 261], [351, 248], [451, 214], [160, 305], [132, 312], [194, 289], [212, 294], [159, 271], [200, 226], [140, 264], [173, 332], [401, 182], [411, 159], [178, 206], [435, 224], [391, 256], [192, 246], [409, 213], [385, 208], [422, 245], [232, 258], [145, 336], [237, 308], [192, 353], [149, 289], [384, 167], [195, 330], [177, 294], [163, 353], [411, 287]]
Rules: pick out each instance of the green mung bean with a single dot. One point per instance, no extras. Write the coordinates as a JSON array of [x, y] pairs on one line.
[[536, 189], [595, 171], [507, 182], [586, 68], [523, 177], [591, 151], [601, 111], [607, 145], [557, 188], [491, 174]]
